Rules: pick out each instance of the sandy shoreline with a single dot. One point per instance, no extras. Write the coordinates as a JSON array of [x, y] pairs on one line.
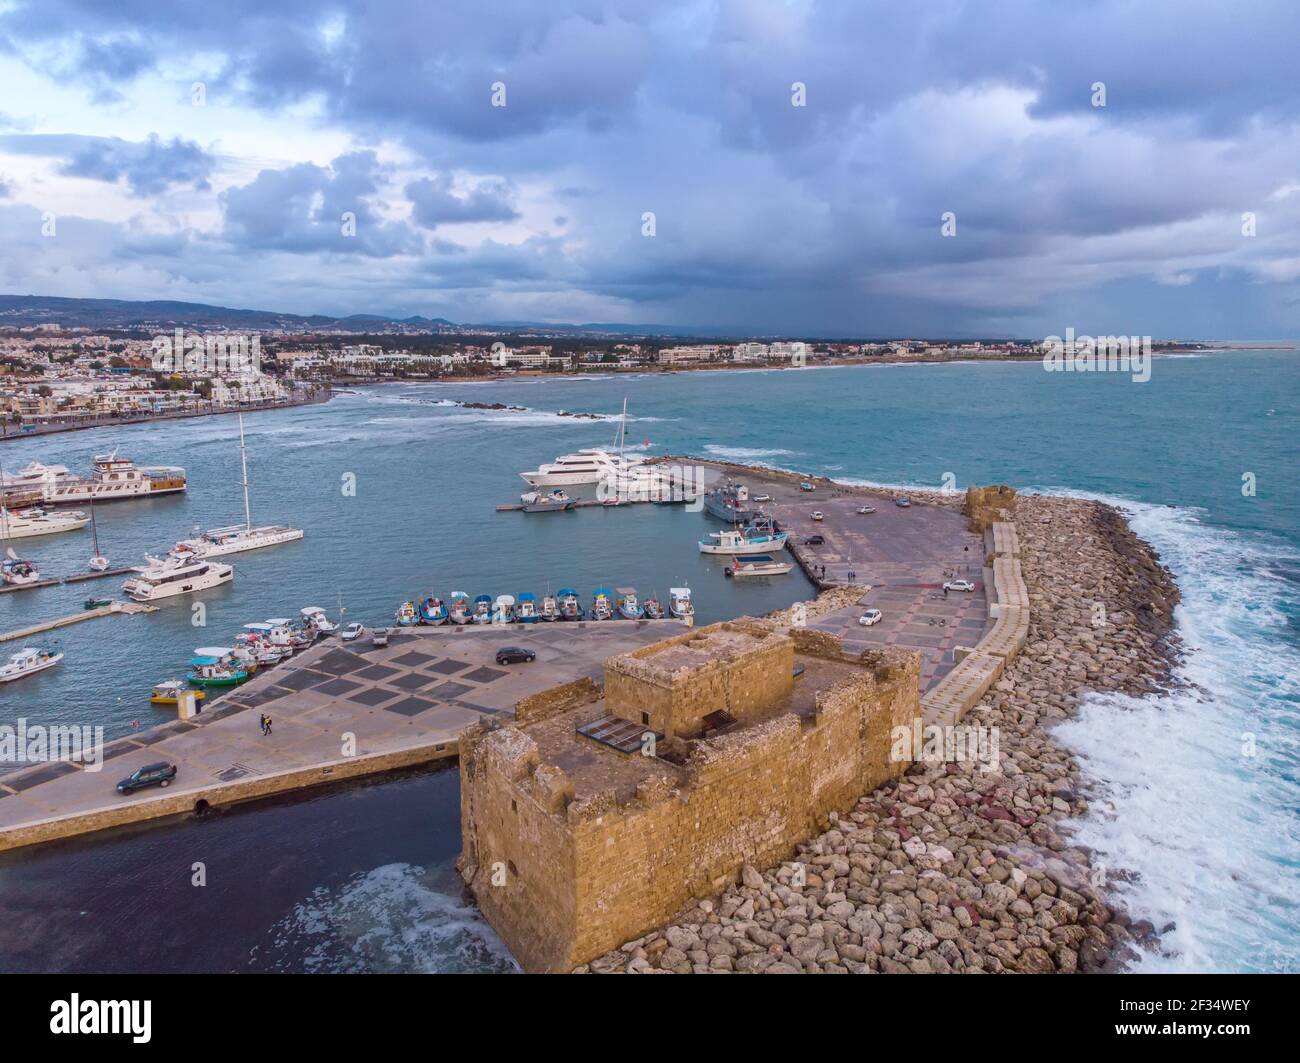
[[954, 868]]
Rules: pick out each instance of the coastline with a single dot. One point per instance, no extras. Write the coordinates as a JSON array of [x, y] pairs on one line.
[[953, 868]]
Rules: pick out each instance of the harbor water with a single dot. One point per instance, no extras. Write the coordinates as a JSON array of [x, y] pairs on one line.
[[360, 878]]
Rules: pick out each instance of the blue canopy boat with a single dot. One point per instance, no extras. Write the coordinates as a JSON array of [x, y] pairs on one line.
[[602, 604], [570, 607], [482, 613], [526, 608]]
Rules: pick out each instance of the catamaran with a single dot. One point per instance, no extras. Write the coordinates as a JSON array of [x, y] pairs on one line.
[[217, 542], [168, 576]]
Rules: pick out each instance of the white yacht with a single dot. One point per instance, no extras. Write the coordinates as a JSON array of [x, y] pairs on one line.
[[18, 524], [17, 571], [218, 542], [112, 478], [28, 661], [589, 466], [168, 576]]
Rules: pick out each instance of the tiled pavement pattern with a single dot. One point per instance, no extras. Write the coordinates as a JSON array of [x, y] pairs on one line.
[[422, 689], [903, 555]]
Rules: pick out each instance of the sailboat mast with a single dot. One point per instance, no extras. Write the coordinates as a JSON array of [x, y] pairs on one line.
[[243, 462], [94, 528]]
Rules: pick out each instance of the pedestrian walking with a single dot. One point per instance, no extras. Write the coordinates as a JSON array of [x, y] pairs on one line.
[[268, 725], [262, 723]]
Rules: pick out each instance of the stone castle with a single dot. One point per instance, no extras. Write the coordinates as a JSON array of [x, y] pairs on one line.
[[595, 817]]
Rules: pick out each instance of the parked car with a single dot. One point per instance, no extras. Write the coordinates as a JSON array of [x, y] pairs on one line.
[[817, 515], [352, 632], [866, 509], [902, 503], [806, 486], [814, 540], [762, 498], [379, 637], [515, 655], [959, 585], [871, 617], [159, 774]]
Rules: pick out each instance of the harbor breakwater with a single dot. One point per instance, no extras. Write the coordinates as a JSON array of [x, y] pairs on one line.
[[962, 865]]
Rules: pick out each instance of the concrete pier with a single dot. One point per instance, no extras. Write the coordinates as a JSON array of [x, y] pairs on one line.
[[112, 609]]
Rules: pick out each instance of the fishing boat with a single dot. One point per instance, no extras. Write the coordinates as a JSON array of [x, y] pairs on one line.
[[679, 602], [482, 613], [407, 615], [276, 634], [758, 565], [459, 611], [316, 619], [169, 691], [260, 651], [165, 577], [236, 539], [215, 666], [570, 607], [433, 612], [526, 610], [760, 537], [654, 609], [28, 661], [554, 501], [730, 502], [16, 571], [243, 655], [98, 562], [21, 524], [602, 604], [550, 609], [503, 609], [628, 607], [292, 636]]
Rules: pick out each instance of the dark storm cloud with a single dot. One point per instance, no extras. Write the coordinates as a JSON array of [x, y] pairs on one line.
[[826, 215], [148, 167]]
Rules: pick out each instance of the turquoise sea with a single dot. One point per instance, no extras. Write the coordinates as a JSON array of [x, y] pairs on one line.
[[1197, 790]]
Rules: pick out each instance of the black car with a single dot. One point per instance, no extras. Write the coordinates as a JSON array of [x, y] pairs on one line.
[[159, 774], [814, 540], [514, 655]]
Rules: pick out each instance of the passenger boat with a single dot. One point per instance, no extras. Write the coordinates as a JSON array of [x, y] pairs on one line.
[[679, 602], [601, 604], [18, 572], [482, 609], [459, 610], [503, 609], [168, 692], [236, 539], [433, 612], [758, 565], [730, 502], [215, 666], [550, 608], [320, 624], [165, 577], [654, 610], [111, 478], [554, 501], [570, 607], [28, 661], [21, 524], [407, 616], [628, 607], [526, 610], [760, 537]]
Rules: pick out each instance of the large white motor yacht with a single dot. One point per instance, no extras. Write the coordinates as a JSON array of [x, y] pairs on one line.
[[164, 577], [589, 466], [19, 524]]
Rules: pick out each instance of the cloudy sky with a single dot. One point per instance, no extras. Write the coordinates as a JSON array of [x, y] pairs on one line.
[[214, 152]]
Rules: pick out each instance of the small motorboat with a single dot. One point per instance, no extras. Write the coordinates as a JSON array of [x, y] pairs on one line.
[[602, 607], [554, 501], [168, 692], [216, 666], [526, 610], [96, 603], [758, 565], [628, 607], [407, 615], [433, 612], [258, 651], [760, 537], [654, 610], [316, 618], [482, 613], [352, 632], [550, 608], [18, 572], [503, 609], [679, 602], [28, 661], [459, 611], [570, 607]]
